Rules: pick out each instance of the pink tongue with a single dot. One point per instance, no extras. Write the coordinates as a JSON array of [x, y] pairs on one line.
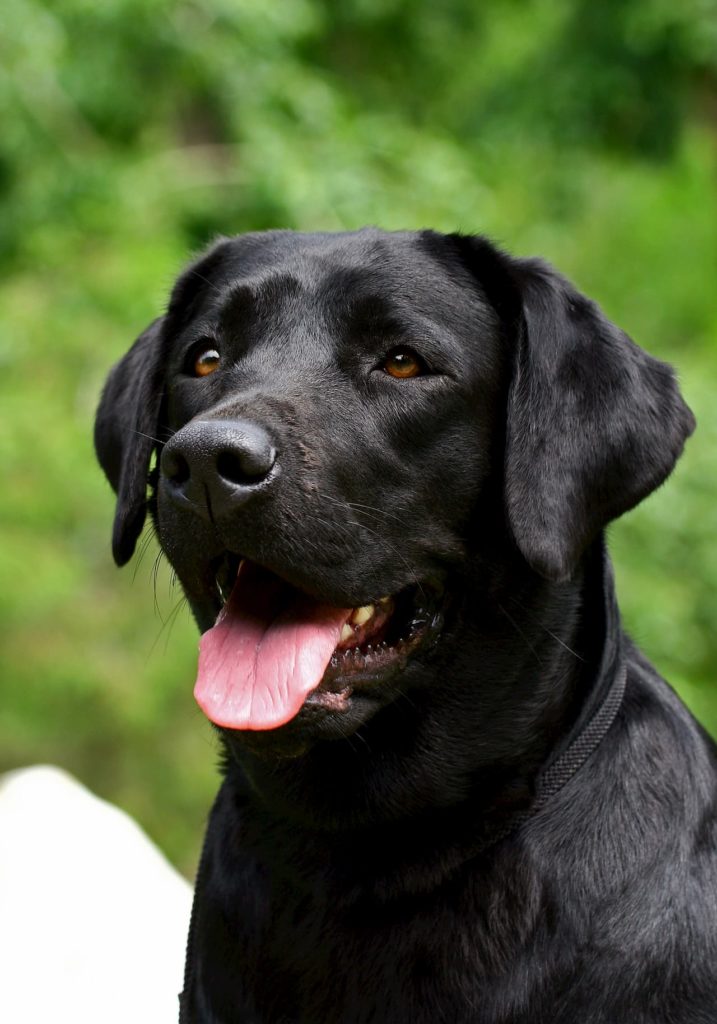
[[268, 650]]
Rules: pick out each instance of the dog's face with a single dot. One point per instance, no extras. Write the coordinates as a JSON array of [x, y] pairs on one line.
[[355, 433], [341, 431]]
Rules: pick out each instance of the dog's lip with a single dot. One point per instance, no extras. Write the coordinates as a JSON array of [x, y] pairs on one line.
[[367, 671], [368, 663]]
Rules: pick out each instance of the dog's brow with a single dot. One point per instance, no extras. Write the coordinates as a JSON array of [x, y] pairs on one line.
[[365, 311], [249, 299], [240, 303]]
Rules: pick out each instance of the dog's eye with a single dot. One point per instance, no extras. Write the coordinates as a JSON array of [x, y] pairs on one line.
[[402, 363], [205, 361]]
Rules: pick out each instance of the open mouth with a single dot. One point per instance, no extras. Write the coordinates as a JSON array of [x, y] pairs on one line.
[[274, 648]]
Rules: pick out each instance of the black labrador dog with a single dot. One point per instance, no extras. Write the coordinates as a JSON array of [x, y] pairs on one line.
[[453, 790]]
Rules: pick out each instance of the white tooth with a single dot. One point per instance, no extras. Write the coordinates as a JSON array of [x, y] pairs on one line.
[[346, 632], [363, 614]]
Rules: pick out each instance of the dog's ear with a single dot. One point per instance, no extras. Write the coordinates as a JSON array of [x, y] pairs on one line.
[[127, 427], [594, 423], [125, 431]]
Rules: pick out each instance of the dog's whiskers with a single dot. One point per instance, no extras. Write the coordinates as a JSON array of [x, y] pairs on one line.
[[400, 695], [150, 437], [365, 509], [328, 526], [206, 280], [143, 549], [168, 624], [549, 631], [411, 571], [562, 643], [155, 573], [516, 626], [362, 526]]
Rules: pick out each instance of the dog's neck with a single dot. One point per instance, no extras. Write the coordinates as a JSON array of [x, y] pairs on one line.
[[534, 678], [543, 654]]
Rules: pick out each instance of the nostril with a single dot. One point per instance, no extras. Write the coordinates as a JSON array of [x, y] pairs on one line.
[[245, 467], [175, 467]]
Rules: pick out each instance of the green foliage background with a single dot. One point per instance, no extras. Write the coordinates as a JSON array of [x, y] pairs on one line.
[[134, 130]]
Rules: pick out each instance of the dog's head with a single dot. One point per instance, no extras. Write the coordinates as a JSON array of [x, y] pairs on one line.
[[355, 431]]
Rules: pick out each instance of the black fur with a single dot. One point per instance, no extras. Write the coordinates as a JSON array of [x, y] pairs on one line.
[[348, 874]]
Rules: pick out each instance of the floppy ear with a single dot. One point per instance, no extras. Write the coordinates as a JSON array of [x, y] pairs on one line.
[[594, 422], [125, 431], [127, 424]]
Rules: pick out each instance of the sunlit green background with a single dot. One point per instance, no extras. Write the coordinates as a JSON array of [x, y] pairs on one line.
[[132, 131]]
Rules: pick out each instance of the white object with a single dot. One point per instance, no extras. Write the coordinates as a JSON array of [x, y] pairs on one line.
[[93, 918]]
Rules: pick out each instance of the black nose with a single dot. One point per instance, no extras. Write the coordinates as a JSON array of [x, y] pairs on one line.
[[214, 465]]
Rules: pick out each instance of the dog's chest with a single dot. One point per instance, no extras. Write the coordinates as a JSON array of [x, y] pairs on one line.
[[308, 953]]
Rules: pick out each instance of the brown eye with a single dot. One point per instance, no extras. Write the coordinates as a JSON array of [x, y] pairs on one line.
[[206, 362], [402, 363]]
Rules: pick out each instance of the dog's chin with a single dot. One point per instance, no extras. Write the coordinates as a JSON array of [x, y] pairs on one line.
[[323, 718]]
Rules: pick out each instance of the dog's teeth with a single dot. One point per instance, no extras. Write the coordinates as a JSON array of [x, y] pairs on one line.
[[346, 632], [363, 614]]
